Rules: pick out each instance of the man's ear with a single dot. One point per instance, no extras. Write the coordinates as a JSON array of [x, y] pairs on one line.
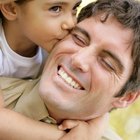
[[9, 10], [126, 100]]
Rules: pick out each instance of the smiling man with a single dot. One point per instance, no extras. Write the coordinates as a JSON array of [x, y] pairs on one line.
[[88, 69], [92, 71]]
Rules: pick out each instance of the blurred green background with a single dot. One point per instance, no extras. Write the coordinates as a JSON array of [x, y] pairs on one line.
[[126, 122]]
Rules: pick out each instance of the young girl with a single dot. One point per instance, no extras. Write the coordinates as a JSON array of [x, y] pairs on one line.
[[28, 24]]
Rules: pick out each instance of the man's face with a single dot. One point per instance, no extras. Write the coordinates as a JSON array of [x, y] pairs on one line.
[[87, 69]]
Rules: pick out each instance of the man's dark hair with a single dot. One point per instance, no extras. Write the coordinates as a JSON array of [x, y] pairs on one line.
[[127, 12]]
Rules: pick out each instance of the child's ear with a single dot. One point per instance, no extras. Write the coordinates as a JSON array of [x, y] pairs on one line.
[[9, 10], [126, 100]]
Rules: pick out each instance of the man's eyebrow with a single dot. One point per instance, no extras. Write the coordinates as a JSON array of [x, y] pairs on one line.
[[116, 59], [82, 31]]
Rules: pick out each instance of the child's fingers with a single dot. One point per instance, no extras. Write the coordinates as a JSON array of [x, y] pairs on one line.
[[68, 124]]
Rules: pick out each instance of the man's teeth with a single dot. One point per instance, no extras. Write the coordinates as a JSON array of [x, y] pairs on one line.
[[68, 79]]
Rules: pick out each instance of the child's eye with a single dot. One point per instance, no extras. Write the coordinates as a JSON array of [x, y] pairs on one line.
[[55, 9]]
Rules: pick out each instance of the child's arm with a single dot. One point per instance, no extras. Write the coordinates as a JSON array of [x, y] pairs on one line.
[[80, 130], [14, 126]]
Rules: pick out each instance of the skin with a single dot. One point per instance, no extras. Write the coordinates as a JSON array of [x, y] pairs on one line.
[[41, 22], [98, 124], [15, 126], [29, 129], [99, 60]]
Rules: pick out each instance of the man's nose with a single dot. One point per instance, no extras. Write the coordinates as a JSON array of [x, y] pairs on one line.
[[80, 60], [69, 23]]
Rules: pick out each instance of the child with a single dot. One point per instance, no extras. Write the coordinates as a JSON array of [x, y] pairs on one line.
[[27, 24]]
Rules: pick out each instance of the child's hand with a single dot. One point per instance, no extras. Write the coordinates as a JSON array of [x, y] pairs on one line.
[[81, 130], [68, 124]]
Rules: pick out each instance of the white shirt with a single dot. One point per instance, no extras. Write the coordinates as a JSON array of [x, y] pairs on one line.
[[15, 65]]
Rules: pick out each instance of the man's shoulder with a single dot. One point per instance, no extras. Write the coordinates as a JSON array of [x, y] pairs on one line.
[[111, 135], [14, 88]]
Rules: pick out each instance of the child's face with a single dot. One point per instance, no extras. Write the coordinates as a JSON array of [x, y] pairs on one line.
[[45, 22]]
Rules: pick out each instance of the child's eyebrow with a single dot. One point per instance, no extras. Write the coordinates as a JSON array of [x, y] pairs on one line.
[[57, 2], [78, 3]]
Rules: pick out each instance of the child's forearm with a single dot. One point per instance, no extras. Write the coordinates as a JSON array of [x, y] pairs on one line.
[[14, 126]]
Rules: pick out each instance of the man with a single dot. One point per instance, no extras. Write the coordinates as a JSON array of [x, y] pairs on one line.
[[90, 72], [96, 68]]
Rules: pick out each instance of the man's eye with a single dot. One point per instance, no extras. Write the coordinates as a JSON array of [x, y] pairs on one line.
[[79, 40], [56, 9], [107, 65]]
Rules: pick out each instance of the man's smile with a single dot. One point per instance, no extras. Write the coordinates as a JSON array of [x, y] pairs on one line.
[[68, 79]]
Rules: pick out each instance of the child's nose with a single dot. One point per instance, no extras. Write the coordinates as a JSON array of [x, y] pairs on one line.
[[69, 23]]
